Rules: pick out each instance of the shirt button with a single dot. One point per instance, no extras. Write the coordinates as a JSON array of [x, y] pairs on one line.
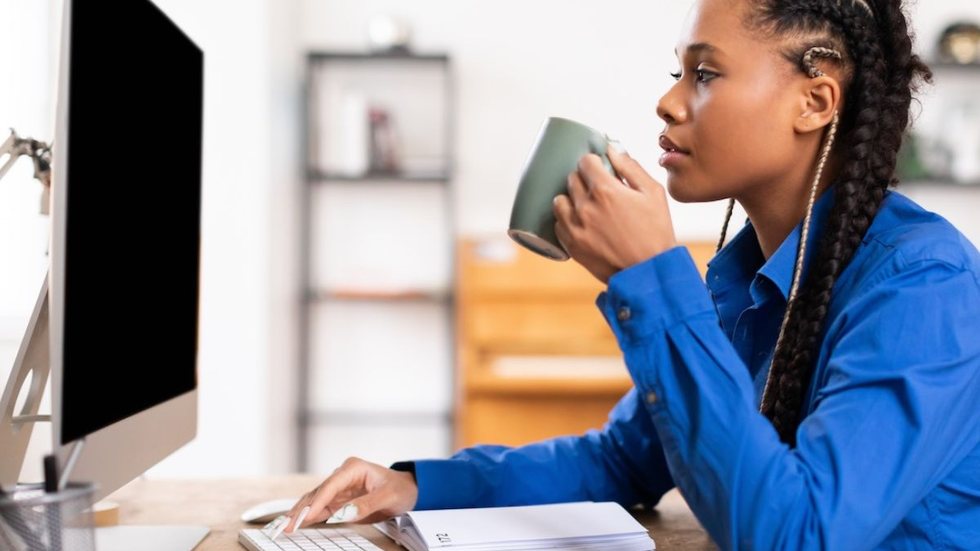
[[624, 313], [651, 397]]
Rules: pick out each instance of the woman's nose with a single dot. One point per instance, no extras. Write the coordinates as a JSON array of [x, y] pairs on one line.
[[670, 108]]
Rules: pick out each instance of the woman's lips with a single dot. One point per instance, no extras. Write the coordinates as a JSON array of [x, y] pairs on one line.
[[673, 154], [671, 159]]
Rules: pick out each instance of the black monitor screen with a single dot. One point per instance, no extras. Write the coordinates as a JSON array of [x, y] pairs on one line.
[[132, 238]]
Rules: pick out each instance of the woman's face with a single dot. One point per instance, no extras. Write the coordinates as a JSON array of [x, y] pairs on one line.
[[731, 110]]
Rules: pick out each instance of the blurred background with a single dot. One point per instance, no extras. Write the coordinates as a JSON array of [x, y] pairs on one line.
[[360, 296]]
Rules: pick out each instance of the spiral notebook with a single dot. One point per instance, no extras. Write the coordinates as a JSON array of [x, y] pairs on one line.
[[581, 526]]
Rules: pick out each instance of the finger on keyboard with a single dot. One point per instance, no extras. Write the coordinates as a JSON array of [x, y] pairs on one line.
[[301, 518], [274, 528]]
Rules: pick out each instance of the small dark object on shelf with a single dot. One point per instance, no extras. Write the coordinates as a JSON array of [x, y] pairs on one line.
[[384, 146]]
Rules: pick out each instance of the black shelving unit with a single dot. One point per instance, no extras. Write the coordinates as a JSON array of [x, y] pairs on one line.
[[318, 177], [950, 66], [938, 183]]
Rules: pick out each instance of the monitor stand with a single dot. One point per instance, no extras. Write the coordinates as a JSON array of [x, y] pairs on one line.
[[32, 359], [149, 538]]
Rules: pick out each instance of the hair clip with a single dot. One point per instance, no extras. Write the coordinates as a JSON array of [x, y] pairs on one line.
[[817, 51]]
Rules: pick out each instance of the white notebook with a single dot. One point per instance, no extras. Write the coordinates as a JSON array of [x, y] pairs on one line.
[[583, 526]]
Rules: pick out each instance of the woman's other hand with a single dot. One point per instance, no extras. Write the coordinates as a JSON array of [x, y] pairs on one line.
[[607, 226]]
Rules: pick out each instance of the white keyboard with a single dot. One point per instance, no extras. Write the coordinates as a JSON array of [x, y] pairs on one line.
[[307, 539]]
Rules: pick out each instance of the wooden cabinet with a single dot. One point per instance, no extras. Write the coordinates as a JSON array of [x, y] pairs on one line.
[[536, 358]]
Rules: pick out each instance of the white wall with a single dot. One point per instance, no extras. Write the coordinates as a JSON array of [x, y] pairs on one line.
[[248, 167], [26, 104], [285, 87], [25, 99]]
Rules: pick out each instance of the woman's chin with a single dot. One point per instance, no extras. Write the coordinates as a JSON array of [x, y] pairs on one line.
[[681, 191], [685, 191]]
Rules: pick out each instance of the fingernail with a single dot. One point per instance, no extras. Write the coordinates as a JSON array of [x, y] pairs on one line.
[[301, 518], [617, 146], [280, 528], [274, 528], [271, 526], [347, 512]]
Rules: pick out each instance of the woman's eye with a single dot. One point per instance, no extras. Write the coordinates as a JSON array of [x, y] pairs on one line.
[[702, 75]]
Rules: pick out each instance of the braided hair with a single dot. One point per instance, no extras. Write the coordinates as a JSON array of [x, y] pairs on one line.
[[879, 73]]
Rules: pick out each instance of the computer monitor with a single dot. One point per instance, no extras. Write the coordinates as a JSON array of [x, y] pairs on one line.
[[125, 246]]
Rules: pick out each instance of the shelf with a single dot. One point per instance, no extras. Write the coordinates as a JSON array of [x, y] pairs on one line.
[[548, 386], [950, 66], [405, 295], [374, 418], [376, 56], [378, 177], [938, 183], [556, 346]]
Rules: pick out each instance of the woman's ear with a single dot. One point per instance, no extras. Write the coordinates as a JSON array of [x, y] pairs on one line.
[[820, 98]]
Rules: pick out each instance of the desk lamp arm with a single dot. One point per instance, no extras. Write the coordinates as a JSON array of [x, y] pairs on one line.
[[33, 356], [40, 154]]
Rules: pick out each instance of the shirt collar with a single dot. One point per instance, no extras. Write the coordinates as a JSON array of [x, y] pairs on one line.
[[742, 256], [779, 267]]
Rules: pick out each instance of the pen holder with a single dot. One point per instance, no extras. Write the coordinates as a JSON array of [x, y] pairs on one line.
[[31, 519]]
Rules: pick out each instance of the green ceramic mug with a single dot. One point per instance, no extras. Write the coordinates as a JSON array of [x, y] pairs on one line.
[[556, 153]]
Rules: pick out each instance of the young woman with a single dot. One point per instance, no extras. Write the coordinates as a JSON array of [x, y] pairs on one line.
[[823, 391]]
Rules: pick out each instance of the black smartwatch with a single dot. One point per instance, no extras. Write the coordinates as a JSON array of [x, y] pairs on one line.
[[405, 467]]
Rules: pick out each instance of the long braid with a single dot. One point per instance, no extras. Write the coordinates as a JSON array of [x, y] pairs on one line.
[[875, 116], [724, 226], [793, 363]]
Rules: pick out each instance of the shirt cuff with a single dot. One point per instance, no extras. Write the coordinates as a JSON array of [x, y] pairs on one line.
[[654, 295], [445, 483]]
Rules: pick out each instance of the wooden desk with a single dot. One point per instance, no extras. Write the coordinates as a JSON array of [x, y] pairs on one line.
[[218, 504]]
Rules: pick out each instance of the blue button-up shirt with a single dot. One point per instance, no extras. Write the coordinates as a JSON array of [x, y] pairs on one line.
[[888, 454]]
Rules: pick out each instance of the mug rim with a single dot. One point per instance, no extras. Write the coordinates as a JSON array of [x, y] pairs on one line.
[[577, 123]]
